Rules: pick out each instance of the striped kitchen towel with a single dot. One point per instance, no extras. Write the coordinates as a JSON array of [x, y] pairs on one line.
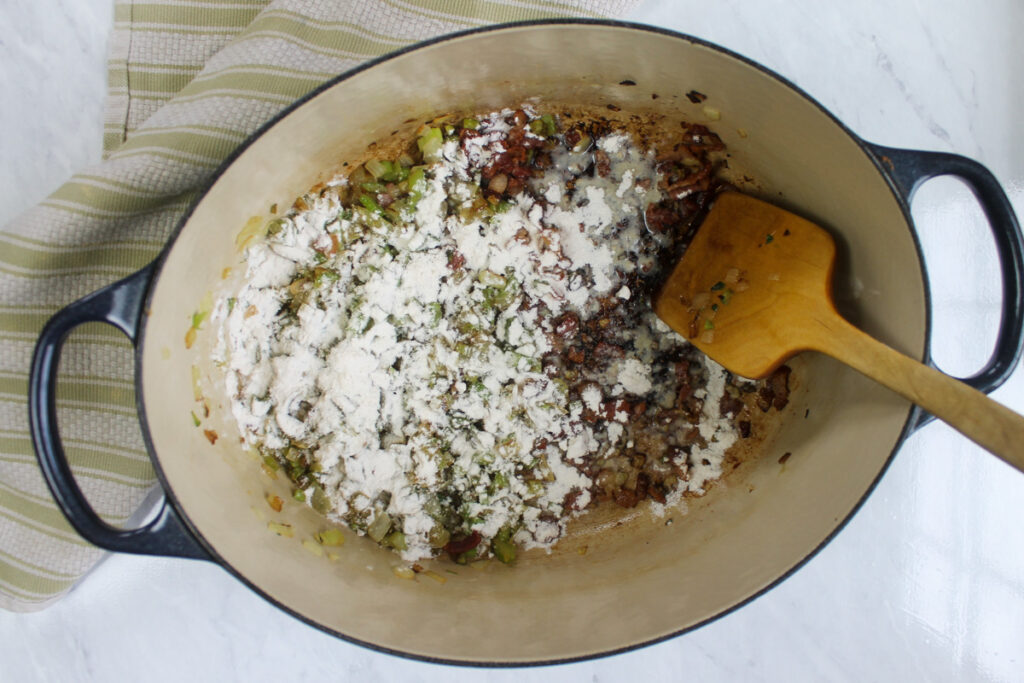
[[188, 81]]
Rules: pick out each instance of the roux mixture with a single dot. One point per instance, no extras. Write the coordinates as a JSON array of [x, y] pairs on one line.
[[454, 350]]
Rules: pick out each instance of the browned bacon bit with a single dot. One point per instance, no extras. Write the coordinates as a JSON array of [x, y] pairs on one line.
[[729, 405], [660, 218], [576, 355], [643, 484], [608, 351], [744, 427], [456, 260], [703, 140], [696, 97], [779, 382], [464, 544], [567, 326], [700, 180], [775, 391], [602, 164], [612, 408], [572, 138], [626, 498], [210, 435], [656, 492], [682, 369]]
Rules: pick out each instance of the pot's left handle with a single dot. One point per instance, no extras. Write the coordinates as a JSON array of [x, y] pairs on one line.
[[120, 305]]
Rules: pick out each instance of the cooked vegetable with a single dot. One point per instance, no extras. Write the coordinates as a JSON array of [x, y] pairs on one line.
[[475, 314]]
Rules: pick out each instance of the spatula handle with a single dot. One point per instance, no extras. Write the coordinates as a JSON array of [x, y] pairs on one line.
[[989, 424]]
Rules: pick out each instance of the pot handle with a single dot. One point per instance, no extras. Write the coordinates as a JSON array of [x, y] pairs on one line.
[[908, 170], [120, 305]]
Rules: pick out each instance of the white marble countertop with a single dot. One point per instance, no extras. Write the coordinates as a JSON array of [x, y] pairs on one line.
[[925, 583]]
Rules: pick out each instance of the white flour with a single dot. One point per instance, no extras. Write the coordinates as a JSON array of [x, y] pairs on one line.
[[404, 362]]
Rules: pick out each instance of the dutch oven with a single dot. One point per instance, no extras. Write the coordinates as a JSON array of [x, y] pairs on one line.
[[617, 582]]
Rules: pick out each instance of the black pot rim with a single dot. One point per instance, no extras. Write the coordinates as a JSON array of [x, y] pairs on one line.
[[908, 426]]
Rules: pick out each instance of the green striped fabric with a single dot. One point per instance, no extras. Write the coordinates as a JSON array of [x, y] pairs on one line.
[[188, 81]]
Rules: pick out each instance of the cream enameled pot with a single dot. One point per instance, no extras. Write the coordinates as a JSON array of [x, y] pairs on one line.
[[617, 582]]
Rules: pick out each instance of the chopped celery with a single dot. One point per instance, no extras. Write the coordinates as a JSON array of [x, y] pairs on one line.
[[370, 203], [378, 168], [438, 536], [471, 124], [275, 226], [299, 495], [435, 308], [379, 527], [549, 124], [544, 126], [583, 145], [416, 176], [396, 539], [430, 144], [325, 275], [504, 549], [330, 537], [320, 501], [281, 529], [491, 279], [312, 547], [467, 556]]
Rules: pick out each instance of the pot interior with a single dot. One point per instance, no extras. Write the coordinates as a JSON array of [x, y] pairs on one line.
[[620, 579]]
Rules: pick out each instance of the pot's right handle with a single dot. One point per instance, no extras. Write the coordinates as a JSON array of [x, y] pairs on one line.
[[120, 305], [908, 170]]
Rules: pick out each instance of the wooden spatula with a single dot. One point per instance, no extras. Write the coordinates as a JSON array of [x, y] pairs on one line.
[[754, 288]]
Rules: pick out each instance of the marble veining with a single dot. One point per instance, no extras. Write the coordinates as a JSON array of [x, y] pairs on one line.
[[927, 580]]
